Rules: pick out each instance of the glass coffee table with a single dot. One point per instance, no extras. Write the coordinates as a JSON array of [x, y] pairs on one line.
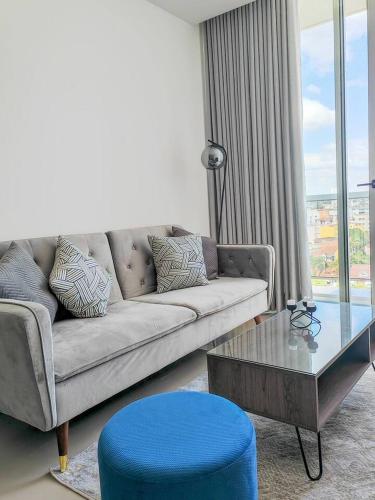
[[299, 377]]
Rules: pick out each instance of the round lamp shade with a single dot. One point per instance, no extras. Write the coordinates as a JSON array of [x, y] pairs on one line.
[[213, 157]]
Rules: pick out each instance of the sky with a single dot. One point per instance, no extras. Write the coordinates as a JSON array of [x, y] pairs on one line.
[[318, 89]]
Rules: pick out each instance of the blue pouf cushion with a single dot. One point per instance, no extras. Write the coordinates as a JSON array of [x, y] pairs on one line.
[[178, 446]]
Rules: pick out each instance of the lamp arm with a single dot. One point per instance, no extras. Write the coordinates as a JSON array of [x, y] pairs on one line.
[[218, 232], [225, 162]]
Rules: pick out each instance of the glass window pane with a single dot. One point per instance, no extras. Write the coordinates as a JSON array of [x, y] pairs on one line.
[[356, 89], [318, 89]]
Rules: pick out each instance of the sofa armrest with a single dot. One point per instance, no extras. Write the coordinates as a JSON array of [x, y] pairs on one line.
[[248, 261], [27, 385]]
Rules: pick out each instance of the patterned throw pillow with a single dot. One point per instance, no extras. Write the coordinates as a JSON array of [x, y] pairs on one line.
[[209, 252], [179, 262], [79, 283], [22, 279]]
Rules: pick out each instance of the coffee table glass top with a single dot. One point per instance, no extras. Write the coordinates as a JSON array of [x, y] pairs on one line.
[[275, 343]]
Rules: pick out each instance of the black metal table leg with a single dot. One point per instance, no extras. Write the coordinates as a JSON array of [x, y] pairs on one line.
[[312, 478], [373, 365]]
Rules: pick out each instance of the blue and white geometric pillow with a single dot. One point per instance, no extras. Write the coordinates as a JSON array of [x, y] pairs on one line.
[[78, 281], [178, 261]]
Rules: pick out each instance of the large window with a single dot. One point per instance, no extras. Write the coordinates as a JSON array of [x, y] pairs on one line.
[[335, 106]]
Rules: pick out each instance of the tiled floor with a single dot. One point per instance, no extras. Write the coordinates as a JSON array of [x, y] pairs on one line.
[[26, 453]]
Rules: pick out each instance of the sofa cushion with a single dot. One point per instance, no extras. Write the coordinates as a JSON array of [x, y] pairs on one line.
[[81, 344], [79, 282], [216, 296], [91, 387], [209, 252], [133, 260], [179, 262], [22, 279]]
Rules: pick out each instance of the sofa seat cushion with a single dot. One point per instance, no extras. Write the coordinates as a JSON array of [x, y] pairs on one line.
[[204, 300], [81, 344]]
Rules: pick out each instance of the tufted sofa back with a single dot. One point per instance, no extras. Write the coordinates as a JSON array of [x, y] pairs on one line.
[[133, 260], [124, 253], [96, 245]]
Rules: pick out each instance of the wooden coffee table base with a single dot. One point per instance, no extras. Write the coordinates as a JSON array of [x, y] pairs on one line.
[[304, 400]]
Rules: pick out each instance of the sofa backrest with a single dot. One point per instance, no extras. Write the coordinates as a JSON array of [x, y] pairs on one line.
[[96, 245], [133, 260]]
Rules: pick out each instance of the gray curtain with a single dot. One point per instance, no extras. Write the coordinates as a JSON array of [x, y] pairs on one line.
[[254, 108]]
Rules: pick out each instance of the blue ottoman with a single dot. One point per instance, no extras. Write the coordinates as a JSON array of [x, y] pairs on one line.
[[178, 446]]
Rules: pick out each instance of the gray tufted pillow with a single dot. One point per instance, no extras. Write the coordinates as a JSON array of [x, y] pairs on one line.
[[179, 262], [209, 252], [22, 279], [78, 281]]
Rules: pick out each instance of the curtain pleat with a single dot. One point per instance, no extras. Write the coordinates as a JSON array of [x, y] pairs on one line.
[[253, 108]]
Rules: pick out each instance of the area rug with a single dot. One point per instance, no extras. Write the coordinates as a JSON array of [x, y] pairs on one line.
[[348, 445]]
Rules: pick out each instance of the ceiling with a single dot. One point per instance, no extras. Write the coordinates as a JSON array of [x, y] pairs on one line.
[[320, 11], [197, 11]]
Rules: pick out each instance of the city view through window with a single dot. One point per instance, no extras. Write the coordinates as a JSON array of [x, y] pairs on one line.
[[318, 88]]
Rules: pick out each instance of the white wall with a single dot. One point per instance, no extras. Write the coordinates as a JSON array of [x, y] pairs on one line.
[[101, 118]]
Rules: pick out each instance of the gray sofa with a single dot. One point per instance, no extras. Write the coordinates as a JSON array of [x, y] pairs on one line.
[[50, 374]]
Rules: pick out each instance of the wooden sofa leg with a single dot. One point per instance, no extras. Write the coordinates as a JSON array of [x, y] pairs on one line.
[[258, 320], [62, 433]]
